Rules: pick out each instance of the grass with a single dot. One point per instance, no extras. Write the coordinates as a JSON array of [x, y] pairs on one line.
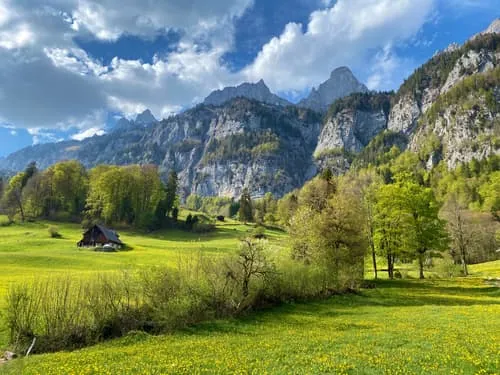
[[400, 327], [28, 251]]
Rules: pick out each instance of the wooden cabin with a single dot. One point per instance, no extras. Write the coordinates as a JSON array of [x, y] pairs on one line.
[[99, 235]]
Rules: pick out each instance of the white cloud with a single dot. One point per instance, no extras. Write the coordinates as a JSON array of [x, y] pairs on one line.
[[19, 36], [52, 83], [345, 34], [87, 134], [42, 136], [109, 19]]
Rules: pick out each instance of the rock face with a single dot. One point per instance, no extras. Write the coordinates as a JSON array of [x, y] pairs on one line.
[[256, 91], [349, 127], [435, 78], [215, 150], [461, 132], [146, 118], [472, 62], [340, 84]]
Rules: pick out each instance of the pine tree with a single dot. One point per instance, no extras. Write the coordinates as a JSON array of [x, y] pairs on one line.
[[245, 212]]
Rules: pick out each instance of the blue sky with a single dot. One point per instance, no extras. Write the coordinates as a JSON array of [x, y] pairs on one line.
[[69, 68]]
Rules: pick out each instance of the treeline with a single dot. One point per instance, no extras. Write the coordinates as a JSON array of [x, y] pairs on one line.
[[408, 212], [130, 195]]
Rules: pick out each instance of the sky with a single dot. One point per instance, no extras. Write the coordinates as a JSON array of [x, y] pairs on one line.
[[70, 68]]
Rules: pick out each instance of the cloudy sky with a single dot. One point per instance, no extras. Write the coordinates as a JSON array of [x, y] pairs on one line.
[[70, 68]]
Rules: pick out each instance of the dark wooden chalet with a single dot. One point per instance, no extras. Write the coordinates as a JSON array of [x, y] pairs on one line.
[[99, 235]]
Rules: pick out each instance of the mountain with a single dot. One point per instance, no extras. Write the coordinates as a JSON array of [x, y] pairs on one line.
[[256, 91], [145, 118], [142, 120], [447, 111], [340, 84], [215, 150], [494, 28]]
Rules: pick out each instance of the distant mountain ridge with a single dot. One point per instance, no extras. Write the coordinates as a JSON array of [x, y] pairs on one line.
[[255, 91], [447, 111]]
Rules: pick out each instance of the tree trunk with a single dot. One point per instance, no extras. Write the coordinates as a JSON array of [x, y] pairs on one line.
[[464, 263], [390, 267], [421, 264], [374, 260], [21, 209]]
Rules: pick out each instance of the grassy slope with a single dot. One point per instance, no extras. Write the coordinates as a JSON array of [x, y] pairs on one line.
[[400, 327]]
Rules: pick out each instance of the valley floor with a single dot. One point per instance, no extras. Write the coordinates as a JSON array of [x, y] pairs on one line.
[[400, 327]]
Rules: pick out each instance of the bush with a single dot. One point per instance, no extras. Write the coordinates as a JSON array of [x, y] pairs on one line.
[[259, 232], [54, 232], [203, 227], [448, 270], [68, 313]]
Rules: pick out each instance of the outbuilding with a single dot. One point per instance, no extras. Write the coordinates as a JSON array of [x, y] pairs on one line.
[[99, 235]]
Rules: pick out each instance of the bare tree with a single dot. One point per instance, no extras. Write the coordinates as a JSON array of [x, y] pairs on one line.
[[460, 229], [251, 263]]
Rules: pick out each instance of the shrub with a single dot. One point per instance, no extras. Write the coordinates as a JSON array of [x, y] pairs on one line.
[[68, 313], [203, 227], [259, 232], [54, 232]]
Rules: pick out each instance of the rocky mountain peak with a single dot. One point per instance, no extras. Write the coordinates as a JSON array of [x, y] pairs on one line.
[[341, 83], [340, 71], [256, 91], [494, 28], [145, 118]]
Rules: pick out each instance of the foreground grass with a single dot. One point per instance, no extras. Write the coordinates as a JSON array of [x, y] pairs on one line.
[[27, 251], [401, 327]]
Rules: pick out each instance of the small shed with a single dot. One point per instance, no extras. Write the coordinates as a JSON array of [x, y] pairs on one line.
[[99, 235]]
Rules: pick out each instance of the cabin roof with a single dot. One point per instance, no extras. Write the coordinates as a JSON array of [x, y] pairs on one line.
[[110, 234]]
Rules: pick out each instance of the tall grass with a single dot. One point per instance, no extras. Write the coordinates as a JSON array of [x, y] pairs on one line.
[[69, 313]]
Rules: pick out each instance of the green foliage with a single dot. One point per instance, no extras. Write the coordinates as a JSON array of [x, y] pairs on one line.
[[366, 102], [127, 195], [407, 224], [245, 213], [242, 146], [327, 231], [54, 232], [382, 149], [490, 194], [213, 206]]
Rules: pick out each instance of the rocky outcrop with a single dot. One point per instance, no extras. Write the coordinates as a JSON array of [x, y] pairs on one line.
[[340, 84], [351, 130], [462, 134], [472, 62], [494, 28], [443, 72], [255, 91], [349, 127]]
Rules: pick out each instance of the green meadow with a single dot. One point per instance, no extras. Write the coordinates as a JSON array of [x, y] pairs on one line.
[[407, 326]]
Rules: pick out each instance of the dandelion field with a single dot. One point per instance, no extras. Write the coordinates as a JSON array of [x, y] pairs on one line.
[[398, 327]]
